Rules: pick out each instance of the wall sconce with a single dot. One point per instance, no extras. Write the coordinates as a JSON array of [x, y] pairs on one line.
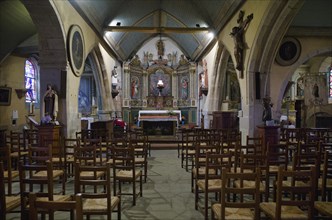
[[115, 93], [204, 91], [160, 86], [20, 93]]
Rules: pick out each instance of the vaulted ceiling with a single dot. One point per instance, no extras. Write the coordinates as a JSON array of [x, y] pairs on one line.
[[126, 25]]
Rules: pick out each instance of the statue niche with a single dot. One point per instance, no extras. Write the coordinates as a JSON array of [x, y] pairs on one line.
[[159, 74]]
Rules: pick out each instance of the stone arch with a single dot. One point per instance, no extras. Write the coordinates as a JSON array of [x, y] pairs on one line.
[[52, 47], [277, 16], [101, 79]]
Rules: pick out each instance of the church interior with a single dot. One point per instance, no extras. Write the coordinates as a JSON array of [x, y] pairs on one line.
[[171, 88]]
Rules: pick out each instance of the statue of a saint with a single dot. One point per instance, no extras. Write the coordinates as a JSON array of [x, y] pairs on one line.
[[50, 102], [267, 112]]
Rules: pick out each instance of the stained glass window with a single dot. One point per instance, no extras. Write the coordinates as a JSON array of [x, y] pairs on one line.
[[330, 81], [30, 82]]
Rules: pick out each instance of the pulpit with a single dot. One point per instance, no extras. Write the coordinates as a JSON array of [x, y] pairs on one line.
[[225, 120], [270, 134], [50, 132]]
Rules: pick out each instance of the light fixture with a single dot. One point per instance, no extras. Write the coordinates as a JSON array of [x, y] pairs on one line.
[[160, 86], [20, 92], [115, 93], [204, 91]]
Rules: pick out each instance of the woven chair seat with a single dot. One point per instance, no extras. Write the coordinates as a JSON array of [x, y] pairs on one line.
[[273, 169], [249, 184], [24, 153], [189, 152], [88, 174], [233, 213], [239, 170], [297, 183], [99, 205], [14, 154], [287, 212], [128, 174], [58, 198], [14, 173], [324, 208], [12, 202], [202, 170], [328, 183], [140, 160], [70, 158], [43, 174], [213, 184], [57, 159], [117, 161]]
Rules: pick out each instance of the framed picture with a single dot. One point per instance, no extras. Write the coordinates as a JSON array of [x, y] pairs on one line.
[[76, 49], [289, 51], [5, 95]]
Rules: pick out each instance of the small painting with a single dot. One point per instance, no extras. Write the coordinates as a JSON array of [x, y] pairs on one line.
[[5, 95]]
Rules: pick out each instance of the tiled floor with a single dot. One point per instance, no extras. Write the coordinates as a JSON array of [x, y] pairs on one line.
[[166, 195]]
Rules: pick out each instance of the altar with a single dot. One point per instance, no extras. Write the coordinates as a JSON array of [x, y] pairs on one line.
[[159, 122]]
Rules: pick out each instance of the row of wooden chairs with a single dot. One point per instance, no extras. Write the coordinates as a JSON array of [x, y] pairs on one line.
[[249, 158], [74, 150]]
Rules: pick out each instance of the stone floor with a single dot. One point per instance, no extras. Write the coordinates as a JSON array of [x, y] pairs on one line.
[[166, 195]]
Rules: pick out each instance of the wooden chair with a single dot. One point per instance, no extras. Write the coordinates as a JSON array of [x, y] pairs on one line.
[[40, 155], [188, 148], [8, 203], [124, 170], [325, 182], [17, 149], [86, 155], [324, 209], [242, 208], [200, 161], [140, 146], [255, 144], [214, 164], [38, 206], [96, 191], [248, 164], [69, 145], [9, 175], [294, 201], [302, 162], [42, 175]]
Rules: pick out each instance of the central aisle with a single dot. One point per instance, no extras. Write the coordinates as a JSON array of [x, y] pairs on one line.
[[167, 194]]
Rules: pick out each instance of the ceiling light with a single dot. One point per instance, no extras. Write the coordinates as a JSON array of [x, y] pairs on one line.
[[211, 34]]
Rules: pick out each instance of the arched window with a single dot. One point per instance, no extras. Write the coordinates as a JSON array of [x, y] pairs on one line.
[[31, 81]]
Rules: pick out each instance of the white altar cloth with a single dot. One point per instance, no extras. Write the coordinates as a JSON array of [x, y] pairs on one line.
[[159, 115]]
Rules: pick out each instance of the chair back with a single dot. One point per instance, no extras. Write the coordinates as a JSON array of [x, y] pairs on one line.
[[250, 193], [295, 194], [2, 190], [326, 175], [6, 170], [30, 178], [95, 188], [43, 206]]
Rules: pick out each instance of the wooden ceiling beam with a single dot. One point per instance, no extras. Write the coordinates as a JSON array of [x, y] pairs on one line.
[[157, 30]]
